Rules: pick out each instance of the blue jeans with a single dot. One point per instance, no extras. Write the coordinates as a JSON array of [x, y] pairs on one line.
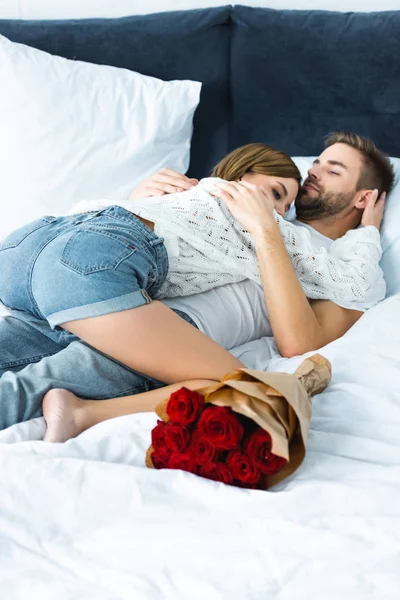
[[32, 362], [61, 269]]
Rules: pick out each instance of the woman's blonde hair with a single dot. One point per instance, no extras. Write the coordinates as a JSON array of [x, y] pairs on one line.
[[256, 158]]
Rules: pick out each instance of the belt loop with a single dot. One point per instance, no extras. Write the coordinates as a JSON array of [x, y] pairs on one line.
[[157, 241]]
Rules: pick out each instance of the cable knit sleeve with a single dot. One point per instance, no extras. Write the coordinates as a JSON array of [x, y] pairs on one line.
[[348, 274]]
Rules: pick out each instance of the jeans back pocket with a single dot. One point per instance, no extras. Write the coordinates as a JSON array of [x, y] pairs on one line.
[[90, 251]]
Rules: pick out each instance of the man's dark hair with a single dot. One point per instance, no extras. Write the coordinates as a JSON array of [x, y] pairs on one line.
[[377, 170]]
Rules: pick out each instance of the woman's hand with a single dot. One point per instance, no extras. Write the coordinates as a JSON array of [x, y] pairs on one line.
[[165, 181], [373, 212], [248, 203]]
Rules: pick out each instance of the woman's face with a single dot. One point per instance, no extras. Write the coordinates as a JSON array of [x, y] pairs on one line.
[[283, 189]]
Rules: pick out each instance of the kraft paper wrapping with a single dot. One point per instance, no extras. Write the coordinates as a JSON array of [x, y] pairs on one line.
[[279, 402]]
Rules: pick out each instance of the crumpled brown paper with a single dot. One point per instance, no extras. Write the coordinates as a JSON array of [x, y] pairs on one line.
[[279, 402]]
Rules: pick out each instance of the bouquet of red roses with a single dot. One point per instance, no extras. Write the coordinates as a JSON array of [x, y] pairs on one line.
[[249, 430]]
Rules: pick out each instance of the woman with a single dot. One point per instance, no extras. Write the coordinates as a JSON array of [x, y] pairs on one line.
[[102, 364], [95, 274]]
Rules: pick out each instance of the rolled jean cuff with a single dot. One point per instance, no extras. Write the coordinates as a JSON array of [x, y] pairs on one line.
[[97, 309]]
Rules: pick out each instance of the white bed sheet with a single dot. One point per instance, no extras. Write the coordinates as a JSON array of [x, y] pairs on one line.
[[86, 519]]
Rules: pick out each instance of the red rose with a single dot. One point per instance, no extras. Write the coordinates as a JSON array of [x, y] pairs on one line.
[[183, 461], [160, 461], [242, 468], [202, 449], [184, 406], [159, 439], [221, 426], [217, 472], [258, 449], [177, 437], [274, 464]]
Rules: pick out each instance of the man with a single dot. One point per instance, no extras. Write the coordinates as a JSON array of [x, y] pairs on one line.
[[346, 186], [340, 190]]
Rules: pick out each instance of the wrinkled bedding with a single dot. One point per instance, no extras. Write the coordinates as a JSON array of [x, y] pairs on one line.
[[86, 519]]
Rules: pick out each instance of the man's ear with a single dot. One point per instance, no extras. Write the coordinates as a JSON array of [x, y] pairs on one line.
[[362, 198]]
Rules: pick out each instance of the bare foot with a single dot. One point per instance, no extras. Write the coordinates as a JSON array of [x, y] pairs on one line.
[[60, 411]]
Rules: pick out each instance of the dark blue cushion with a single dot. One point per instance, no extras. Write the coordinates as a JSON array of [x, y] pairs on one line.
[[173, 45], [297, 75]]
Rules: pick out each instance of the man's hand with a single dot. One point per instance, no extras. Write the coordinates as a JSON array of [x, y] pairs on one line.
[[248, 203], [373, 212], [165, 181]]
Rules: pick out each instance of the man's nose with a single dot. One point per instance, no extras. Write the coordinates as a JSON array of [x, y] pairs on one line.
[[314, 172]]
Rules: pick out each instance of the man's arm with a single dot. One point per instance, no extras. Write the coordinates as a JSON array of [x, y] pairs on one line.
[[297, 326], [300, 326], [334, 320]]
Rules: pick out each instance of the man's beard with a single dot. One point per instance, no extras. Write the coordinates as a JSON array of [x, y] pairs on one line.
[[326, 204]]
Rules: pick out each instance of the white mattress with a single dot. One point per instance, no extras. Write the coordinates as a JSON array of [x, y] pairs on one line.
[[86, 519]]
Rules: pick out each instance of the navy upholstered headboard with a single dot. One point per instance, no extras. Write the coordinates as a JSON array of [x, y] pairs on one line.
[[296, 75], [285, 78]]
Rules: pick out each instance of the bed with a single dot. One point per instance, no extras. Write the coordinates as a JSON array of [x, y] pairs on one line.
[[86, 519]]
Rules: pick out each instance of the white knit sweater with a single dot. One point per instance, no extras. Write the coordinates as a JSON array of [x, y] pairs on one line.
[[207, 247]]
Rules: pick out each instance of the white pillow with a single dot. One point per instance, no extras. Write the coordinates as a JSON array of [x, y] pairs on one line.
[[390, 234], [390, 230], [71, 130]]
